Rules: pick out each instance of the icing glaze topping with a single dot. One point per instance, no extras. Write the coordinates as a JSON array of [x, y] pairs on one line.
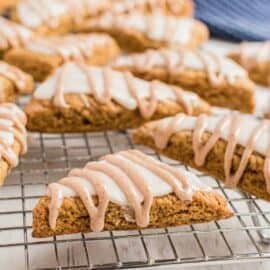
[[254, 53], [34, 13], [258, 51], [12, 35], [156, 26], [12, 126], [128, 178], [18, 77], [69, 47], [252, 134], [154, 5], [106, 84], [216, 67]]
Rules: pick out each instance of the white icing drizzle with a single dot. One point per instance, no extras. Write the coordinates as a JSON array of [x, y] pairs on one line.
[[12, 35], [252, 134], [21, 80], [12, 126], [128, 178], [216, 67], [106, 84], [156, 26], [34, 14], [69, 47]]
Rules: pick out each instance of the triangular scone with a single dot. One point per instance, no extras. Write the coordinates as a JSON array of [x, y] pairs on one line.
[[46, 17], [42, 56], [122, 191], [14, 82], [12, 35], [85, 9], [217, 79], [13, 139], [233, 148], [181, 8], [138, 32], [255, 58], [52, 17], [79, 98]]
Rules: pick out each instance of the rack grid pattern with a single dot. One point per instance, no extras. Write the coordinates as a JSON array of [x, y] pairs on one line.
[[244, 237]]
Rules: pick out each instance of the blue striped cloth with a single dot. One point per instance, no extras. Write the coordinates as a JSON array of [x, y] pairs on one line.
[[235, 19]]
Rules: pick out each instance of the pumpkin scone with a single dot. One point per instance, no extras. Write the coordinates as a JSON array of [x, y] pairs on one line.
[[12, 35], [217, 79], [84, 9], [137, 31], [179, 8], [13, 141], [52, 17], [255, 58], [78, 98], [233, 148], [46, 17], [14, 82], [42, 56], [123, 191]]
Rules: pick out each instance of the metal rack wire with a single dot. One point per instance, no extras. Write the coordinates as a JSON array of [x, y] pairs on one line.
[[52, 156]]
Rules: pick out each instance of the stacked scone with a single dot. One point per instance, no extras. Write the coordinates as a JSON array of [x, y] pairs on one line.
[[131, 64]]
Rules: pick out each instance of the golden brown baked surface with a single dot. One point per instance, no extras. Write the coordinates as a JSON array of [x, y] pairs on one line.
[[133, 40], [259, 73], [236, 96], [9, 91], [165, 211], [40, 66], [43, 116], [180, 148]]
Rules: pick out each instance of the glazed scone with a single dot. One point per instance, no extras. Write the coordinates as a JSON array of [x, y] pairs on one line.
[[123, 191], [12, 35], [46, 17], [14, 82], [255, 58], [218, 80], [232, 148], [42, 56], [13, 141], [79, 98], [84, 9], [52, 17], [179, 8], [137, 31]]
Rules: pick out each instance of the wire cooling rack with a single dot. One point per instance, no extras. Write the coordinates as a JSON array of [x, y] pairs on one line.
[[243, 237]]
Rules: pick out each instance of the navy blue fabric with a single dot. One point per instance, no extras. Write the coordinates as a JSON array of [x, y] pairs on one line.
[[235, 19]]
